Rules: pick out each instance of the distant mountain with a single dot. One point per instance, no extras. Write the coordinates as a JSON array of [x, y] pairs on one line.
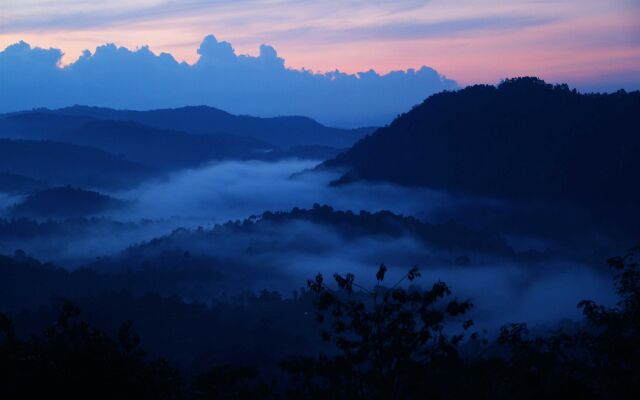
[[62, 163], [12, 183], [301, 152], [523, 140], [163, 149], [203, 120], [65, 202], [159, 148], [21, 230]]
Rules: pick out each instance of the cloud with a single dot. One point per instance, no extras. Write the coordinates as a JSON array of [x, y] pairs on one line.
[[262, 85], [50, 15], [473, 41], [55, 15], [408, 30]]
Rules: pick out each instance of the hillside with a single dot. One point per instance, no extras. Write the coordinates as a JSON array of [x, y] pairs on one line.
[[203, 120], [160, 148], [163, 149], [64, 202], [303, 229], [523, 140], [62, 163], [12, 183]]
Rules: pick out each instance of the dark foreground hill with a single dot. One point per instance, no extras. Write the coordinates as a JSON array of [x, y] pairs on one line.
[[203, 120], [538, 146], [379, 341], [524, 139]]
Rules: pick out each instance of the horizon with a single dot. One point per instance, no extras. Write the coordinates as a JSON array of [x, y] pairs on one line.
[[207, 106], [240, 84], [587, 44]]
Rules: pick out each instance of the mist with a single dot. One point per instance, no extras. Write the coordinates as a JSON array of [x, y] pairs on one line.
[[185, 212], [243, 226], [237, 189]]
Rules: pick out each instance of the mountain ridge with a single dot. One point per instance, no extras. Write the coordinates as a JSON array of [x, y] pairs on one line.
[[205, 120], [521, 139]]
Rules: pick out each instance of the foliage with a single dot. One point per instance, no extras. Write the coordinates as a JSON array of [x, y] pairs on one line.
[[398, 341], [601, 360], [524, 140], [381, 335], [74, 360]]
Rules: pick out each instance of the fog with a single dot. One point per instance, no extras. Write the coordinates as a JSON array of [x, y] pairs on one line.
[[282, 256], [235, 190], [216, 193], [502, 290]]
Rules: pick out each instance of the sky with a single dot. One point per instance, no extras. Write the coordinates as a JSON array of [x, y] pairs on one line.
[[591, 44]]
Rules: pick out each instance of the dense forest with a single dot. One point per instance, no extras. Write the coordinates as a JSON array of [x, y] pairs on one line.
[[189, 253], [524, 140], [386, 341], [64, 202], [57, 163]]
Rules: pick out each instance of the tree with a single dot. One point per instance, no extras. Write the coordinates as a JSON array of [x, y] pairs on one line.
[[600, 360], [72, 360], [384, 337]]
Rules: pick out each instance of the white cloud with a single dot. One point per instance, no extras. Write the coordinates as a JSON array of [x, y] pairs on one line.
[[121, 78]]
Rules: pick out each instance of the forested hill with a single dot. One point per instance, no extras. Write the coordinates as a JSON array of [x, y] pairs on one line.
[[523, 139], [64, 164], [267, 232], [202, 120]]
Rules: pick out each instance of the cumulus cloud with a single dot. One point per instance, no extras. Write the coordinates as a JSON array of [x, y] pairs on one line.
[[141, 79]]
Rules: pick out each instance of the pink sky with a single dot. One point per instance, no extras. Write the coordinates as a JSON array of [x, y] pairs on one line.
[[590, 43]]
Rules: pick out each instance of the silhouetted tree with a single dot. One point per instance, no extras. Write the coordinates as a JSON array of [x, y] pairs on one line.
[[74, 361], [383, 337], [601, 360], [231, 382]]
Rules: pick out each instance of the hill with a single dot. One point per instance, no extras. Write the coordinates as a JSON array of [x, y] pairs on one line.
[[313, 231], [65, 202], [12, 183], [163, 149], [202, 120], [159, 148], [67, 164], [524, 140]]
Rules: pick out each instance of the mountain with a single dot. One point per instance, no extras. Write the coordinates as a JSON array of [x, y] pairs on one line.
[[522, 140], [310, 152], [163, 149], [65, 202], [158, 148], [12, 183], [62, 163], [203, 120], [151, 144]]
